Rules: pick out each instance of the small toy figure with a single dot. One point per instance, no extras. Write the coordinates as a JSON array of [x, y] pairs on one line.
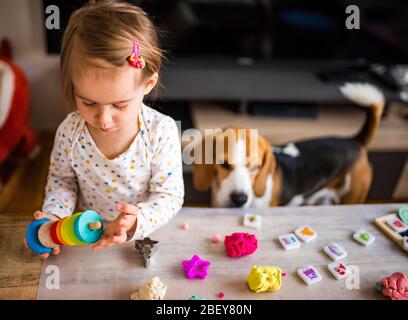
[[146, 247], [309, 275], [305, 233], [289, 241], [363, 237], [335, 251]]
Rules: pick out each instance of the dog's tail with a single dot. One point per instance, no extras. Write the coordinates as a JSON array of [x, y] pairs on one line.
[[371, 98]]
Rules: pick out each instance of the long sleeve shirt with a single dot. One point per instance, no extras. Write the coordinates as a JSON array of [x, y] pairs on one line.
[[148, 174]]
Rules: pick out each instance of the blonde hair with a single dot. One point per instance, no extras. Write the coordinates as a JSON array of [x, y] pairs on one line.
[[106, 30]]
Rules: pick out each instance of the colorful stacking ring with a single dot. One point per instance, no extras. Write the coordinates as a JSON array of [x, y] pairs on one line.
[[70, 232], [82, 230], [64, 231], [59, 234], [79, 229], [44, 235], [53, 234], [32, 237]]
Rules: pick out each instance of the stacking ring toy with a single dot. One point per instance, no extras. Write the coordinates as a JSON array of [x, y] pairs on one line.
[[32, 237], [88, 227], [53, 234], [403, 213], [82, 228], [59, 235], [64, 231]]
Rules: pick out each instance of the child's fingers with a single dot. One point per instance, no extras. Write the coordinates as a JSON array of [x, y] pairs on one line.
[[97, 246], [111, 241], [121, 231], [100, 244], [116, 239], [122, 223], [56, 251], [128, 209], [44, 256], [38, 215]]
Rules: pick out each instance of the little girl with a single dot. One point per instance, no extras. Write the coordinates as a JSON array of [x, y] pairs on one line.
[[114, 154]]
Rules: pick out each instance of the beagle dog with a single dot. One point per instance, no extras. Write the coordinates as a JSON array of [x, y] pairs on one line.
[[328, 170]]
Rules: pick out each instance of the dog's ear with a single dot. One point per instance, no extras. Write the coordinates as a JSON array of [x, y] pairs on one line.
[[268, 165], [203, 173]]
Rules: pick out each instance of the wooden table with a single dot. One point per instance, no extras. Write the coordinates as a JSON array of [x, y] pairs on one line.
[[115, 273]]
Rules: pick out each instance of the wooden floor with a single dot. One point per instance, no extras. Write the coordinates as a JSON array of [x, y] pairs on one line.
[[25, 192]]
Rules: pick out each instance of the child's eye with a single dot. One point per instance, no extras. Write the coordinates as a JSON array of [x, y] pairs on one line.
[[120, 107], [89, 104]]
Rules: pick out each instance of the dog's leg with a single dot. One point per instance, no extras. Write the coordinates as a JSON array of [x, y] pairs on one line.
[[361, 176], [296, 201]]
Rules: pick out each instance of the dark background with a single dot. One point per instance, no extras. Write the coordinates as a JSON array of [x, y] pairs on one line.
[[271, 29]]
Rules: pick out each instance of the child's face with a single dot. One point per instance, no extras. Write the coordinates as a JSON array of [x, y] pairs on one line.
[[110, 101]]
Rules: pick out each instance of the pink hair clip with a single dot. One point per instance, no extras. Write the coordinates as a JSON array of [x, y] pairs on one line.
[[135, 59]]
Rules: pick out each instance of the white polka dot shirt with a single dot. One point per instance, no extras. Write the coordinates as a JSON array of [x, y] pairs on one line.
[[148, 174]]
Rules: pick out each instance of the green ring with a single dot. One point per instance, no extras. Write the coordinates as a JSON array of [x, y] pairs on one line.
[[70, 231], [64, 232], [403, 213]]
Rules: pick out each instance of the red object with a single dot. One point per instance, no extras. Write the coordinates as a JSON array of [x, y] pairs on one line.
[[216, 238], [395, 286], [185, 225], [221, 295], [16, 129], [240, 244], [53, 234]]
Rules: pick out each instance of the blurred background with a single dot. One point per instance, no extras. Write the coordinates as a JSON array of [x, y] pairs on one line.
[[273, 65]]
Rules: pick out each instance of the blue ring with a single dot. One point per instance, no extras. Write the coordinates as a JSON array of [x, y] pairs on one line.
[[81, 227], [32, 237]]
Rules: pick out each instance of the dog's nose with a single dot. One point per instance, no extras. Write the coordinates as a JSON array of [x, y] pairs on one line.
[[238, 199]]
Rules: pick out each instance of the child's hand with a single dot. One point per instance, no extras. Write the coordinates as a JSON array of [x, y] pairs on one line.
[[116, 231], [38, 215]]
